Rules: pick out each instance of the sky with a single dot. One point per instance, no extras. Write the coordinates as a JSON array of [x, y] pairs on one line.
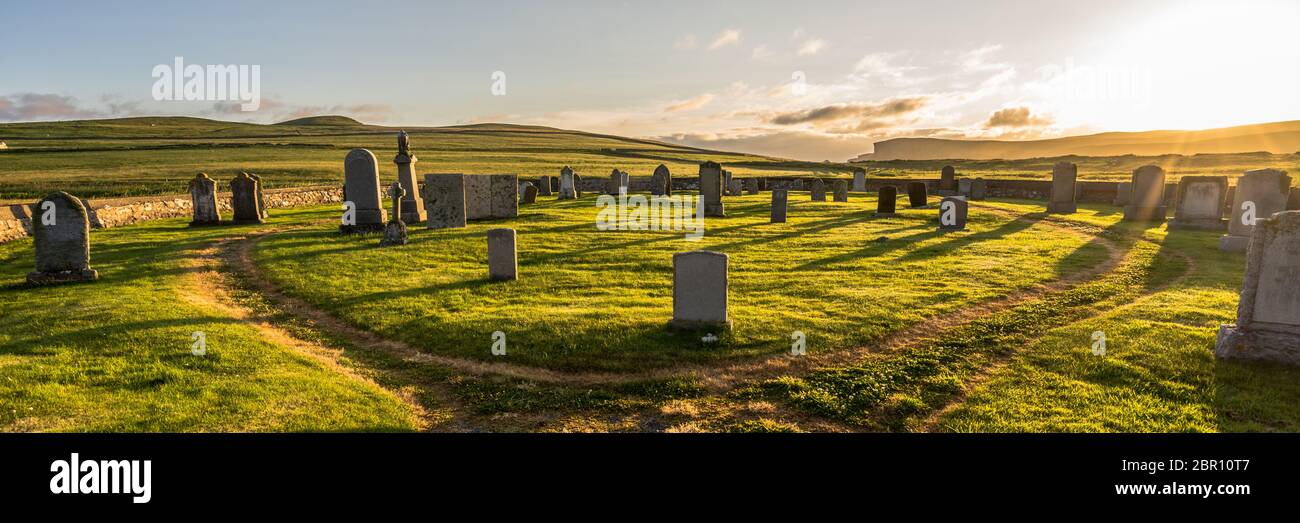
[[813, 80]]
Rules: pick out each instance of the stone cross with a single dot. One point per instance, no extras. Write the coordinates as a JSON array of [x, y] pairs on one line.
[[396, 192]]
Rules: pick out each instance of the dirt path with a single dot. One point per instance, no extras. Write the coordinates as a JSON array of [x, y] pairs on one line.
[[715, 378]]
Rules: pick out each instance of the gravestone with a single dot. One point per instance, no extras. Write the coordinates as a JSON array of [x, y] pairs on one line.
[[658, 184], [1200, 203], [395, 230], [261, 196], [502, 260], [530, 193], [947, 181], [952, 213], [1146, 203], [361, 187], [1293, 200], [444, 200], [886, 202], [964, 187], [916, 195], [203, 200], [243, 199], [700, 291], [61, 233], [1268, 315], [617, 181], [778, 205], [478, 203], [544, 186], [841, 191], [1064, 188], [665, 180], [979, 189], [568, 189], [711, 189], [735, 189], [726, 183], [1259, 194], [412, 205], [751, 185], [818, 190], [491, 196], [1123, 193], [859, 180], [577, 185]]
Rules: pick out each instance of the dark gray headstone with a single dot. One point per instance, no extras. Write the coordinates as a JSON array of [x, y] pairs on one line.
[[361, 187], [61, 233], [530, 193], [700, 290], [1064, 188], [544, 186], [887, 201], [916, 195], [1147, 199], [663, 181], [778, 205], [203, 199], [1259, 194], [947, 181], [1199, 204], [841, 191], [711, 189], [817, 189], [244, 189], [502, 258], [952, 213]]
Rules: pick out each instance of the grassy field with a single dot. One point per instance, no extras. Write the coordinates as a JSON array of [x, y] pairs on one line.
[[146, 156]]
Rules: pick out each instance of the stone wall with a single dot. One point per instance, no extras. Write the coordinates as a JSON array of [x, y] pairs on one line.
[[16, 220]]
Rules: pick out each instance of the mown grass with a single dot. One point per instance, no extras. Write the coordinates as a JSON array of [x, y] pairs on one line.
[[599, 300], [114, 355]]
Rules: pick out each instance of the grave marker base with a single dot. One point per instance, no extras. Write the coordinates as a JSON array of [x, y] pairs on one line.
[[51, 278]]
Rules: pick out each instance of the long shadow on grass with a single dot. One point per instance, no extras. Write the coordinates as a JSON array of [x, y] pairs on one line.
[[959, 239]]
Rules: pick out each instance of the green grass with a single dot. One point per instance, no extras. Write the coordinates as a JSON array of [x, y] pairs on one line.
[[599, 300], [114, 355]]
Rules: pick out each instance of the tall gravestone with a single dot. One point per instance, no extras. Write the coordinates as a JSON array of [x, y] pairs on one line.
[[261, 196], [952, 213], [395, 229], [859, 180], [530, 194], [886, 202], [778, 205], [568, 187], [964, 187], [1268, 315], [444, 200], [503, 261], [243, 199], [916, 195], [817, 190], [1146, 202], [1064, 181], [1199, 204], [947, 181], [1259, 194], [726, 183], [412, 204], [617, 181], [361, 187], [751, 185], [841, 191], [711, 189], [979, 189], [664, 180], [700, 291], [735, 188], [203, 200], [544, 186], [61, 233]]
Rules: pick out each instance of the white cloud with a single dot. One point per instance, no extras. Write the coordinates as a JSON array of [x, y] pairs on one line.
[[762, 53], [812, 47], [725, 38], [691, 104]]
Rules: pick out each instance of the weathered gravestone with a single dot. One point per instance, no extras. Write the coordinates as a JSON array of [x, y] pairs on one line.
[[555, 185], [778, 205], [490, 196], [916, 195], [444, 200], [726, 183], [1064, 186], [412, 204], [947, 181], [243, 199], [700, 290], [1200, 203], [859, 180], [964, 187], [361, 187], [61, 232], [841, 191], [711, 189], [1123, 193], [751, 185], [817, 189], [886, 202], [979, 189], [1146, 202], [663, 181], [568, 187], [618, 181], [544, 186], [203, 200], [530, 194], [1268, 315], [261, 196], [734, 188], [395, 230], [1259, 194], [952, 213], [502, 259]]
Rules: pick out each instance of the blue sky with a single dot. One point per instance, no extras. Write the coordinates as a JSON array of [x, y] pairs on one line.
[[813, 80]]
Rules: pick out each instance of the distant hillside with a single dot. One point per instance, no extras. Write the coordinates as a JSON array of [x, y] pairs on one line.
[[323, 120], [1278, 137]]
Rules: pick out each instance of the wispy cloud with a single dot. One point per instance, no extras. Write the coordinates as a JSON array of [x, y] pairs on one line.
[[691, 104], [812, 47], [725, 38], [1016, 117], [831, 113]]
